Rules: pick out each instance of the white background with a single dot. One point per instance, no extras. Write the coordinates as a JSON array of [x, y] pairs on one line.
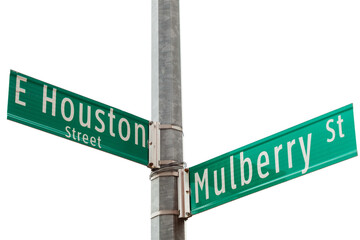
[[249, 69]]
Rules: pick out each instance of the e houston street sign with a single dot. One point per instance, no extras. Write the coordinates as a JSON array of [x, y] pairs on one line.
[[299, 150], [77, 118]]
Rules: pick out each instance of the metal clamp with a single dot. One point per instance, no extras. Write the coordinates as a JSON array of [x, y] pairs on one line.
[[184, 193], [167, 170], [183, 190], [154, 144]]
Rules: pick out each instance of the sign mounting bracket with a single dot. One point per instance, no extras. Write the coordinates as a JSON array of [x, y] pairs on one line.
[[184, 193]]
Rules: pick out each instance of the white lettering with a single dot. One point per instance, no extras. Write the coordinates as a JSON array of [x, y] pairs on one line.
[[217, 192], [111, 118], [123, 120], [67, 130], [99, 140], [330, 130], [289, 146], [242, 163], [201, 184], [79, 133], [102, 129], [85, 138], [67, 100], [51, 100], [19, 90], [93, 141], [339, 122], [137, 127], [306, 153], [276, 152], [233, 185], [88, 120], [82, 137], [260, 164], [74, 131]]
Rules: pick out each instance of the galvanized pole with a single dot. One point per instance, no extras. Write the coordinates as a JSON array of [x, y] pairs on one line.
[[167, 110]]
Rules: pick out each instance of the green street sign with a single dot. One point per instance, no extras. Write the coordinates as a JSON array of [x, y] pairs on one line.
[[299, 150], [77, 118]]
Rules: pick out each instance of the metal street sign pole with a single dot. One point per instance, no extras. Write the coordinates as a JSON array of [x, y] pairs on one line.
[[167, 110]]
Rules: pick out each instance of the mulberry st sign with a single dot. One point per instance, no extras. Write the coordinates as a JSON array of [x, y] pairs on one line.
[[77, 118], [302, 149]]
